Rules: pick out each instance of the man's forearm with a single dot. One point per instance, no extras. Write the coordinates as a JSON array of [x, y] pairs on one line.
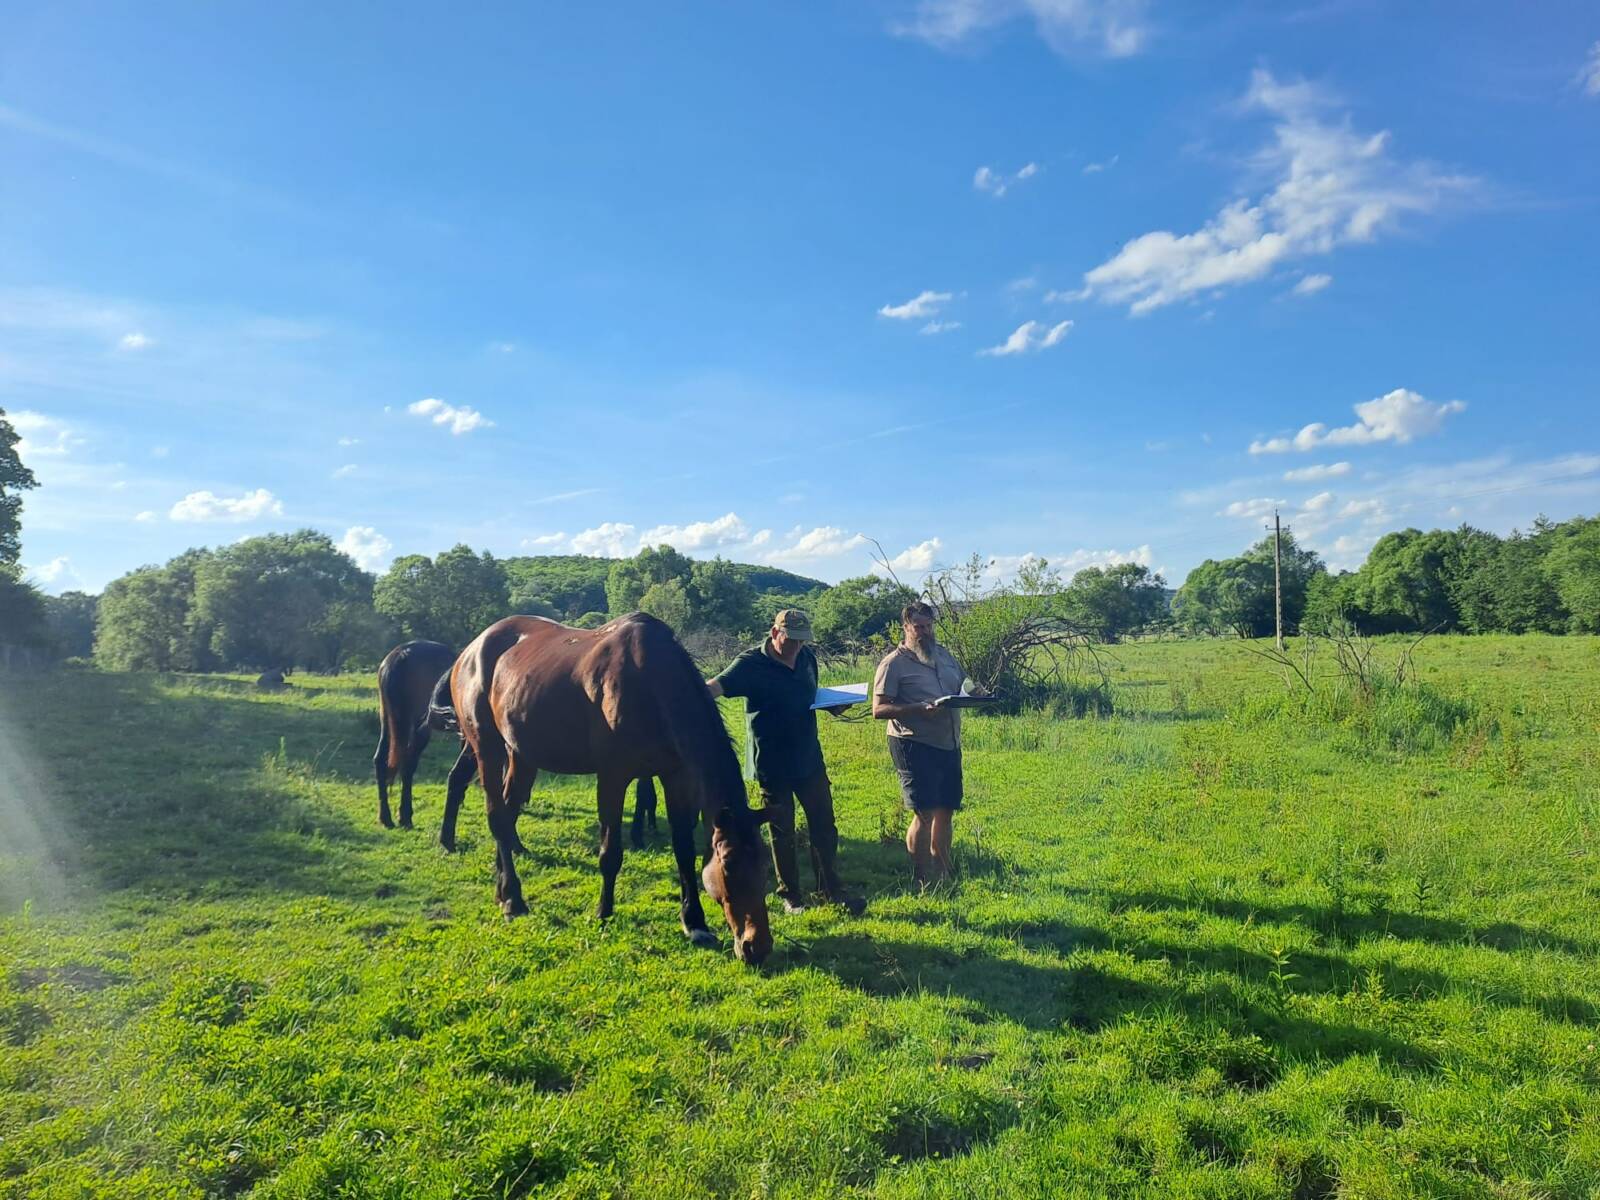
[[895, 712]]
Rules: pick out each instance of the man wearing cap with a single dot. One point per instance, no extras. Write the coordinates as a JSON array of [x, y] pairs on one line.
[[924, 737], [778, 680]]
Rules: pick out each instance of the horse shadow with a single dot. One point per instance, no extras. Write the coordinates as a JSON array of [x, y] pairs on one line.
[[1353, 925]]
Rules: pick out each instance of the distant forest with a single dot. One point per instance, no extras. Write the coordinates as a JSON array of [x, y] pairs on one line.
[[297, 600]]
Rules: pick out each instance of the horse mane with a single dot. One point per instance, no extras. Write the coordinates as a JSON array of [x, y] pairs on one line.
[[691, 717]]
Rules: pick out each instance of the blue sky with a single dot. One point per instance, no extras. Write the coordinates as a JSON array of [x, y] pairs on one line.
[[1086, 279]]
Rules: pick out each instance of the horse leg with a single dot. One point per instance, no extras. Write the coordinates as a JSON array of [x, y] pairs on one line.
[[610, 793], [681, 817], [408, 772], [380, 767], [494, 772], [644, 809], [455, 792]]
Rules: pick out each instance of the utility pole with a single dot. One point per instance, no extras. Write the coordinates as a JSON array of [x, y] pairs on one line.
[[1277, 576]]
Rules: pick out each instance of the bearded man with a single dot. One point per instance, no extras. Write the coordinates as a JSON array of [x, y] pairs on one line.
[[924, 737]]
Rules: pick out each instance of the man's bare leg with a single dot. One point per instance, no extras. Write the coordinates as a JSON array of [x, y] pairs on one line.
[[918, 837], [939, 842]]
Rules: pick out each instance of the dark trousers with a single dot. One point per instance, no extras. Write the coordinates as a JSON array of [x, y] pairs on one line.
[[816, 798]]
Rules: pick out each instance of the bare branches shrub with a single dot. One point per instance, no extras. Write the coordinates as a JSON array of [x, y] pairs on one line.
[[1015, 639]]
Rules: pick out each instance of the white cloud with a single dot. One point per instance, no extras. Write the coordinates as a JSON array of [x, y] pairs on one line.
[[367, 546], [345, 471], [1115, 28], [349, 441], [159, 451], [40, 436], [144, 517], [53, 571], [1310, 285], [1252, 509], [503, 347], [1029, 336], [920, 557], [544, 539], [1320, 471], [933, 327], [204, 506], [1003, 567], [1317, 503], [1589, 76], [1398, 416], [134, 341], [1095, 168], [1371, 510], [611, 539], [460, 420], [824, 541], [997, 184], [1057, 296], [919, 307], [726, 530], [1334, 186]]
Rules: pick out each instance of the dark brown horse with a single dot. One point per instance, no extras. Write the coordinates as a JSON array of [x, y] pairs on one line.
[[621, 702], [406, 679]]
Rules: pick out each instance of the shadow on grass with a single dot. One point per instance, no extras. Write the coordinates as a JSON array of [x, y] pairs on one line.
[[178, 789], [1354, 926], [1085, 997]]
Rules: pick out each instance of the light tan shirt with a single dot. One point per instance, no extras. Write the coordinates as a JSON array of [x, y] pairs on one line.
[[902, 678]]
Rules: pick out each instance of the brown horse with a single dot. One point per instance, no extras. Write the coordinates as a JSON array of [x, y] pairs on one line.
[[406, 679], [620, 702]]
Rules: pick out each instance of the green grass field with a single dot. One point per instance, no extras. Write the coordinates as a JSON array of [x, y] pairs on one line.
[[1223, 943]]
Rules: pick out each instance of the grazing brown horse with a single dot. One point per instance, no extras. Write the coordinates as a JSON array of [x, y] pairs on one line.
[[620, 702], [406, 680]]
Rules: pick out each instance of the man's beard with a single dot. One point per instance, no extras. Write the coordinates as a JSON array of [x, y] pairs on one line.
[[922, 648]]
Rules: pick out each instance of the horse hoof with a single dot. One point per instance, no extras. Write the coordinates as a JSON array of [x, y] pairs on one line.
[[447, 845], [405, 823], [386, 821], [514, 908], [704, 938]]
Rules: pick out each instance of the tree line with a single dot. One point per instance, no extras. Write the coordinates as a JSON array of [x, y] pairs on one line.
[[1544, 580], [297, 600]]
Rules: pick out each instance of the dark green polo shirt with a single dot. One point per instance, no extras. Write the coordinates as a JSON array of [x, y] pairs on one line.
[[783, 725]]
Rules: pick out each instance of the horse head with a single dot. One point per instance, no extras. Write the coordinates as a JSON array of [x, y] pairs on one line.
[[735, 877]]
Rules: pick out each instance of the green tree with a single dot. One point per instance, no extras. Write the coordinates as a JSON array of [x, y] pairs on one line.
[[1572, 564], [1330, 603], [1110, 602], [70, 617], [264, 601], [1232, 594], [858, 609], [15, 478], [573, 583], [23, 620], [142, 622], [719, 597], [630, 578], [1405, 582], [450, 599], [670, 602]]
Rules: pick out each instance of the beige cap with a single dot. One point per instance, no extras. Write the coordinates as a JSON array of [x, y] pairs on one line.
[[794, 623]]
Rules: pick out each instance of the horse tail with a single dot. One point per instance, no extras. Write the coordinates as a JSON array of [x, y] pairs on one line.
[[395, 738], [441, 713]]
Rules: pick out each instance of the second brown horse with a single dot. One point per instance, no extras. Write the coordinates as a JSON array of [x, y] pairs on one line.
[[620, 702]]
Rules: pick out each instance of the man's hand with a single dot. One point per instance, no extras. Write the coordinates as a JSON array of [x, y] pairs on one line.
[[837, 710]]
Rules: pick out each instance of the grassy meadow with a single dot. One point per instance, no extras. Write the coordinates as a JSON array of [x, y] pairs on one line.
[[1230, 941]]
